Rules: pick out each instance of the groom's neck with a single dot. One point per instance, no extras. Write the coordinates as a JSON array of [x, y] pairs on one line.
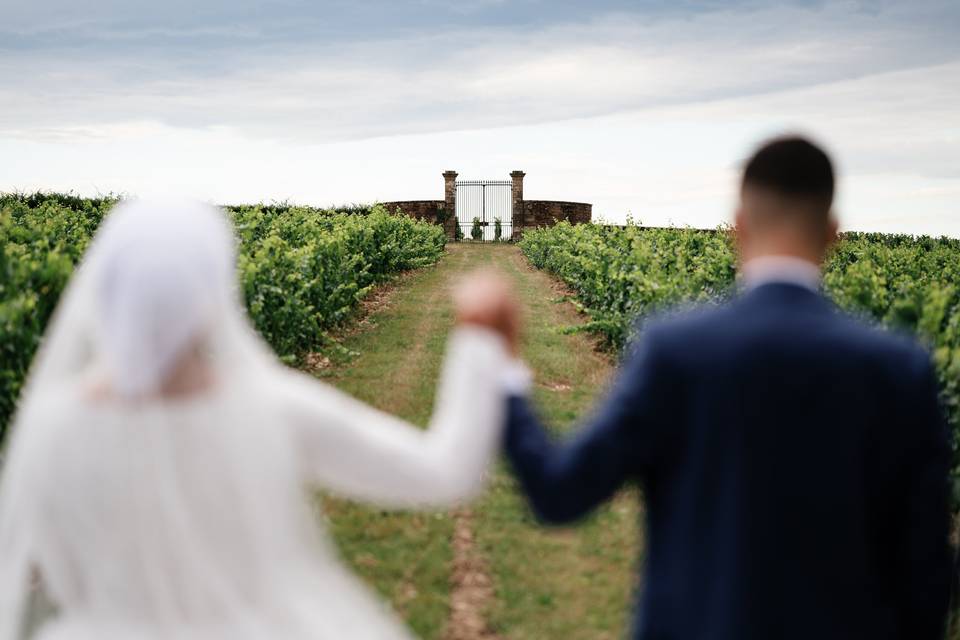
[[783, 250]]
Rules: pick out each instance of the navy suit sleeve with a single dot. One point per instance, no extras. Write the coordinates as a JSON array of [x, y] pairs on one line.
[[565, 480], [925, 556]]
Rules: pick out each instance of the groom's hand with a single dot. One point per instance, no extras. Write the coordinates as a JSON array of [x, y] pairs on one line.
[[486, 299]]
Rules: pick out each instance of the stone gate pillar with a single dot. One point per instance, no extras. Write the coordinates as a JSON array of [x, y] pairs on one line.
[[516, 202], [450, 202]]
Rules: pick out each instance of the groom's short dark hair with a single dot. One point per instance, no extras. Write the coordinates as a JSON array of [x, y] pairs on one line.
[[794, 168]]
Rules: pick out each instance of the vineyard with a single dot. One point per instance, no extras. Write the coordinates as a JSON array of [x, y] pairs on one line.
[[302, 270], [621, 274]]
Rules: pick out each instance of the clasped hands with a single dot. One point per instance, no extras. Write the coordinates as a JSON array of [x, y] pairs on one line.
[[486, 299]]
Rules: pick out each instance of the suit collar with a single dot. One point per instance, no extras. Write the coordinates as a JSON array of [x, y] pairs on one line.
[[785, 294]]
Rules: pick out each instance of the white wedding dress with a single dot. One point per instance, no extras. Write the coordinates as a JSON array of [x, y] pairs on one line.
[[146, 517]]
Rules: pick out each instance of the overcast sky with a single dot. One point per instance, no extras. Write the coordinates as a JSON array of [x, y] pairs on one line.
[[642, 108]]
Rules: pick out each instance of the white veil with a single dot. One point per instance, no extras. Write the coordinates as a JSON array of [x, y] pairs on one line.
[[159, 278]]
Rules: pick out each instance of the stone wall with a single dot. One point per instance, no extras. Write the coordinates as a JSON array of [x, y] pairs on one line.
[[527, 214], [419, 209], [516, 204], [450, 202], [544, 213]]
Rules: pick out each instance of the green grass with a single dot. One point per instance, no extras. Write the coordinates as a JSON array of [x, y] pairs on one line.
[[399, 354], [570, 583], [557, 583]]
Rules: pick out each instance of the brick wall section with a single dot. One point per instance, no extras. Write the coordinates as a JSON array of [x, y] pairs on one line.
[[419, 209], [543, 213], [450, 202], [516, 203]]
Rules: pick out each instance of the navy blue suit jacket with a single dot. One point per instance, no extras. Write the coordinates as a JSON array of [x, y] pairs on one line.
[[794, 466]]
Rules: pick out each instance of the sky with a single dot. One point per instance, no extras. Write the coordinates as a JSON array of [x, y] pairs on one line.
[[645, 109]]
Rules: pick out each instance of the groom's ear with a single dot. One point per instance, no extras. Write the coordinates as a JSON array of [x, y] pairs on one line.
[[832, 233], [741, 229]]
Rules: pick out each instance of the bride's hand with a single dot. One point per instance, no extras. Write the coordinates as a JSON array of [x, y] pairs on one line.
[[486, 299]]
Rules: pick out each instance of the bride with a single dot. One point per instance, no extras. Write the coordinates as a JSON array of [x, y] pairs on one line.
[[156, 485]]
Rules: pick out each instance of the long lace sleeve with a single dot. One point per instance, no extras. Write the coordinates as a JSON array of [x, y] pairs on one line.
[[361, 453]]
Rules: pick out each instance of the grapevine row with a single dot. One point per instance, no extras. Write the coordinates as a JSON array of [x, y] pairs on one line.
[[301, 270], [620, 275]]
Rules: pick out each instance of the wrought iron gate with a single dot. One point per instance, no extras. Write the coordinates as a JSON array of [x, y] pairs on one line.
[[480, 204]]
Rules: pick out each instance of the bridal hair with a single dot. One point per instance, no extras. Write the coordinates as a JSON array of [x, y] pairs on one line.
[[796, 170]]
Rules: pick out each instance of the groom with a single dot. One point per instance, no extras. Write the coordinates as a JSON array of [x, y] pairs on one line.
[[793, 461]]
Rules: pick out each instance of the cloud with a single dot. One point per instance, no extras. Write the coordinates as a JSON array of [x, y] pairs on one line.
[[632, 105], [458, 78]]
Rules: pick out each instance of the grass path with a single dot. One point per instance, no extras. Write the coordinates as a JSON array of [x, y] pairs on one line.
[[486, 571]]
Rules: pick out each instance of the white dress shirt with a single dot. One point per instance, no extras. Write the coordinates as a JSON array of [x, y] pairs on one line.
[[780, 269], [516, 378]]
